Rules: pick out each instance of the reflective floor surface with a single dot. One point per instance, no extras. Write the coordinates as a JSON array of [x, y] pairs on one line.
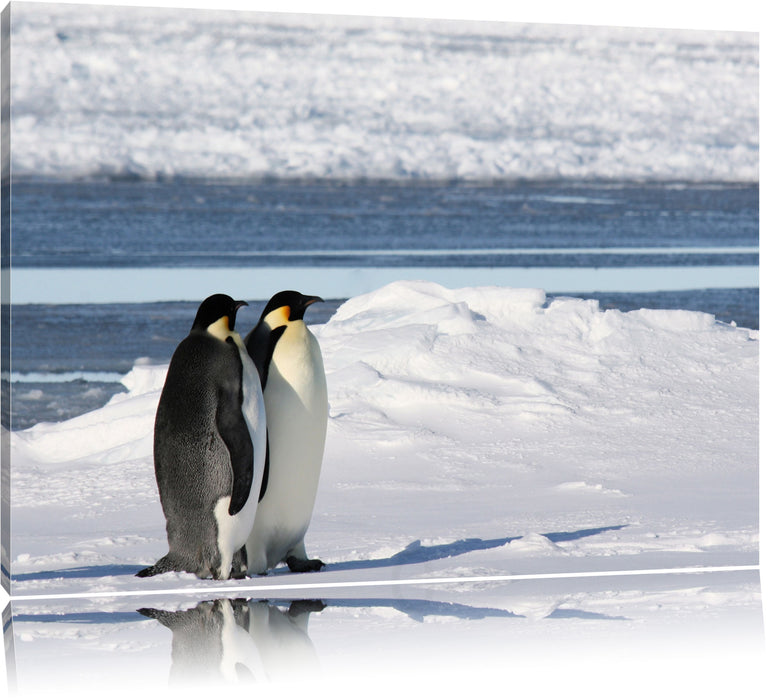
[[629, 635]]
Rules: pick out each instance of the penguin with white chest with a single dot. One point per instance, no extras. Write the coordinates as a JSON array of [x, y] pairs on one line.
[[289, 361], [209, 446]]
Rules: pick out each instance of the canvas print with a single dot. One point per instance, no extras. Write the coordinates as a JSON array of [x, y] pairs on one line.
[[307, 301]]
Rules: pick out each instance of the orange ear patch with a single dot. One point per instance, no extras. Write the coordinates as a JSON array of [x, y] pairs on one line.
[[281, 316]]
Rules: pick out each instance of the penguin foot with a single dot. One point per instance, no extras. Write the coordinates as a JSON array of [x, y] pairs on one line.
[[239, 564], [301, 566], [301, 607]]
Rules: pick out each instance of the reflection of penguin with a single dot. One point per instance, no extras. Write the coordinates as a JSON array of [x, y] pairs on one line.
[[239, 641], [289, 361], [210, 643], [209, 445], [281, 637]]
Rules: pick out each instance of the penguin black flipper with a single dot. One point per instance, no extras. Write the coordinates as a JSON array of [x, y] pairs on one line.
[[260, 344], [265, 478], [233, 430]]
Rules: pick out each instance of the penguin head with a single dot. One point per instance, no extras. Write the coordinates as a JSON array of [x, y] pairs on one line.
[[285, 307], [217, 315]]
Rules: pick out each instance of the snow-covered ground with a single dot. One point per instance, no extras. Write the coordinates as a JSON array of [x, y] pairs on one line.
[[138, 92], [473, 432], [476, 436]]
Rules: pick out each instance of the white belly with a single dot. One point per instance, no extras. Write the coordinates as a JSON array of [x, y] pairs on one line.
[[297, 409], [237, 646], [233, 530]]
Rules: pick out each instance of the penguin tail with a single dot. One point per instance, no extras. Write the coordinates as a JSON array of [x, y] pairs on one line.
[[169, 619], [164, 565]]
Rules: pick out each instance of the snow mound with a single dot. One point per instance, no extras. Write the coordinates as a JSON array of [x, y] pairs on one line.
[[497, 352], [144, 378]]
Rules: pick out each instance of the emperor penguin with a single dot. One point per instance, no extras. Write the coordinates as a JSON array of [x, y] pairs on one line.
[[289, 362], [210, 439]]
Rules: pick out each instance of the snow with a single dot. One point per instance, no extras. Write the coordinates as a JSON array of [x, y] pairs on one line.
[[471, 430], [155, 93], [505, 478]]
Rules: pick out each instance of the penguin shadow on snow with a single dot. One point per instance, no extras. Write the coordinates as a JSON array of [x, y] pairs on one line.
[[416, 553], [98, 571], [413, 553]]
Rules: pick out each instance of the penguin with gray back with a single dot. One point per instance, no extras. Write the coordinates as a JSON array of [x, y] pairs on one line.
[[209, 446], [290, 364]]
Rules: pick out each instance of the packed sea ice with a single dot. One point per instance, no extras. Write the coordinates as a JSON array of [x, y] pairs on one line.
[[137, 93]]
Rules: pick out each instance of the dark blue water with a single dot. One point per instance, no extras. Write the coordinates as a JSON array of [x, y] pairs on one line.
[[66, 359], [125, 224]]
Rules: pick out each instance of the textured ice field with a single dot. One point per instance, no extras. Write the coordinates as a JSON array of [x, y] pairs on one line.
[[472, 432], [151, 93]]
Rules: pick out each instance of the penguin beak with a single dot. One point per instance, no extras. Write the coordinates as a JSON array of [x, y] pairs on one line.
[[311, 300], [240, 304]]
